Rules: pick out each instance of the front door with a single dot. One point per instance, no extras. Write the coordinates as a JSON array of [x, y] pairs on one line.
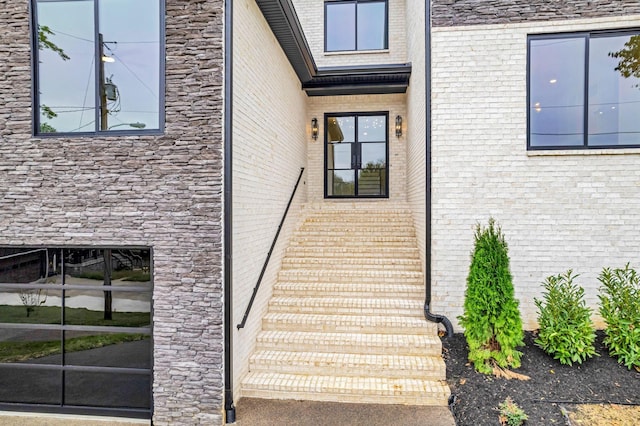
[[356, 153]]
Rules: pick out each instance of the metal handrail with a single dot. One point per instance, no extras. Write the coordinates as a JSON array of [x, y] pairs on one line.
[[266, 262]]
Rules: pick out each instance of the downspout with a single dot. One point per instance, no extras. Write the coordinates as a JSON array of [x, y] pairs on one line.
[[229, 408], [427, 65]]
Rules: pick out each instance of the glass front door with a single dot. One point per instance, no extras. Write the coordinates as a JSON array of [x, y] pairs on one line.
[[356, 152]]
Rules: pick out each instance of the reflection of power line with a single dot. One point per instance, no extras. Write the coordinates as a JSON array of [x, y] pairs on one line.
[[83, 126], [582, 105], [136, 76], [91, 41], [86, 89], [590, 134]]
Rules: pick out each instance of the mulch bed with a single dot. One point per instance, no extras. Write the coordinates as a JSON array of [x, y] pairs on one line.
[[552, 388]]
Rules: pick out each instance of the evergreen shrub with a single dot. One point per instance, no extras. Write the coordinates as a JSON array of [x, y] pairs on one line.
[[566, 330], [491, 320], [620, 308]]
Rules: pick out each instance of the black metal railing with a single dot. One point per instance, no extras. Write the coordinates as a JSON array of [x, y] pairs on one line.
[[266, 262]]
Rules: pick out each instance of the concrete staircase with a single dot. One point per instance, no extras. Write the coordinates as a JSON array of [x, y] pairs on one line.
[[345, 322]]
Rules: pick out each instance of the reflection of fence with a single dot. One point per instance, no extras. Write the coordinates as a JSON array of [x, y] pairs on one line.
[[128, 259], [19, 266]]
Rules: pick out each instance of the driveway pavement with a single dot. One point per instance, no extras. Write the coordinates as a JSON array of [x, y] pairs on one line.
[[269, 412]]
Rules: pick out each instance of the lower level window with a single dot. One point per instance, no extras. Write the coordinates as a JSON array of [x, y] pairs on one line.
[[584, 90], [75, 329]]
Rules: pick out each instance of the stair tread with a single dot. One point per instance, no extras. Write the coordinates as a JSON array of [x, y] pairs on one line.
[[350, 320], [381, 386], [348, 302], [414, 363]]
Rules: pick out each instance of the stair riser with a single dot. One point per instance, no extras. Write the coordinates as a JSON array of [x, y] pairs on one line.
[[417, 294], [432, 349], [346, 263], [422, 400], [345, 310], [349, 254], [433, 373], [344, 328], [336, 278]]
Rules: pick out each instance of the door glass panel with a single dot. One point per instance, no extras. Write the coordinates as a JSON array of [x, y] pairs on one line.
[[107, 308], [107, 389], [30, 305], [374, 155], [372, 128], [31, 386], [341, 129], [100, 349], [30, 266], [372, 182], [341, 182], [339, 156], [33, 346]]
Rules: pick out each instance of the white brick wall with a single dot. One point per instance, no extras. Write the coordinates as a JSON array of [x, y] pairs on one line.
[[394, 104], [562, 210], [269, 122], [415, 121], [311, 16]]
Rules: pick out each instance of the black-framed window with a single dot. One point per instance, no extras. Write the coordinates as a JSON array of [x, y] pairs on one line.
[[75, 329], [584, 90], [356, 155], [98, 66], [355, 25]]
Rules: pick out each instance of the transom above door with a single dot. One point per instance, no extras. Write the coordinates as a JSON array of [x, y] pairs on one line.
[[356, 153]]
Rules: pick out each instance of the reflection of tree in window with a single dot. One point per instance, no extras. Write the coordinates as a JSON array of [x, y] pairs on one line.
[[629, 58], [44, 43]]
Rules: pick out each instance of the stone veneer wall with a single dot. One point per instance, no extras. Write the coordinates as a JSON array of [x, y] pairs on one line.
[[270, 130], [159, 191], [470, 12], [575, 209]]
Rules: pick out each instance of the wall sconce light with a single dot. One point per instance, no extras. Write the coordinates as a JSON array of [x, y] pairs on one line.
[[398, 126], [314, 128]]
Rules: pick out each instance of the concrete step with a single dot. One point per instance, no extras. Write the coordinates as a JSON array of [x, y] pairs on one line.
[[378, 276], [413, 290], [349, 365], [370, 343], [358, 219], [379, 262], [326, 251], [348, 323], [300, 239], [375, 390], [347, 306]]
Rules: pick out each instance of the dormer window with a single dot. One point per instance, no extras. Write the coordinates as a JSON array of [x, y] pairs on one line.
[[355, 25]]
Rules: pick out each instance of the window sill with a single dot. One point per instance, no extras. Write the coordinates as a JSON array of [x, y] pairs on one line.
[[599, 151], [356, 52]]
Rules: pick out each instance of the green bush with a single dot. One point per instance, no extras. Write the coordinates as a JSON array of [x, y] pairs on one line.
[[511, 414], [620, 308], [493, 328], [566, 330]]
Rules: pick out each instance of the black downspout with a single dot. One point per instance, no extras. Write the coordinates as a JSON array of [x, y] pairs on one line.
[[427, 68], [229, 408]]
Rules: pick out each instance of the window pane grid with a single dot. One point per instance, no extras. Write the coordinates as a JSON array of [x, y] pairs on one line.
[[97, 66], [356, 25], [48, 325], [584, 91]]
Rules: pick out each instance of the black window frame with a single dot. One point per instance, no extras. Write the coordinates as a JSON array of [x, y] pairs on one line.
[[587, 36], [35, 89], [356, 2], [356, 195], [63, 326]]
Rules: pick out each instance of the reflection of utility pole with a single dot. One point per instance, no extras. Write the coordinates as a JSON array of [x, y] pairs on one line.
[[108, 266], [104, 125]]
